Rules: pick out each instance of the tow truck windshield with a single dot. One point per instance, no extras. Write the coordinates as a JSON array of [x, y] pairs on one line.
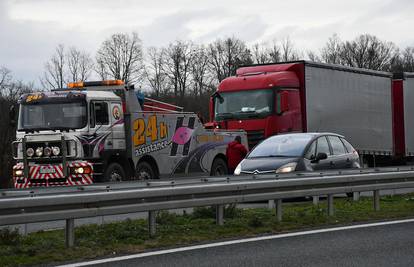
[[243, 104], [52, 116]]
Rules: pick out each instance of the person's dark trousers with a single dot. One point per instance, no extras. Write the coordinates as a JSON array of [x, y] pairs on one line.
[[231, 171]]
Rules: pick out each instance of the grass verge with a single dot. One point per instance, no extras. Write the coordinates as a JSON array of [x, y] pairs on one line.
[[173, 230]]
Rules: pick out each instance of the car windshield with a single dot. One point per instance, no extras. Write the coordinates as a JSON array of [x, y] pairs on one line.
[[281, 146], [52, 116], [243, 104]]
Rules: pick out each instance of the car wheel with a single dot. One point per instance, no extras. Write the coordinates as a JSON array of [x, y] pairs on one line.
[[114, 173], [219, 168], [145, 171]]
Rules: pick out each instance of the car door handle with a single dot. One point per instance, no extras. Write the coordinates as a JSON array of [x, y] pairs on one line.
[[331, 163]]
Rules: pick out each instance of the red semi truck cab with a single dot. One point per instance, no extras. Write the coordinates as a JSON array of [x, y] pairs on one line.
[[264, 100]]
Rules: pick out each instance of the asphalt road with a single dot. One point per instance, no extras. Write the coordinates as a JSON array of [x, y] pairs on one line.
[[387, 245]]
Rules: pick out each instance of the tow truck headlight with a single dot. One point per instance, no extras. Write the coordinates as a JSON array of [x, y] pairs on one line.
[[290, 167], [30, 152], [237, 171], [17, 173], [39, 151], [80, 170], [47, 151], [55, 150]]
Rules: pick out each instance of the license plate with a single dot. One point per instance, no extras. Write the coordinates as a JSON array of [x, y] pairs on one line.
[[47, 170]]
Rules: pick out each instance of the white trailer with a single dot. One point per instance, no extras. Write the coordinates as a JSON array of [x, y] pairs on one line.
[[353, 102]]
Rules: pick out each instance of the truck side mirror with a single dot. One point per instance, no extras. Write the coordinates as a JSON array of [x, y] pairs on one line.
[[12, 116], [282, 102]]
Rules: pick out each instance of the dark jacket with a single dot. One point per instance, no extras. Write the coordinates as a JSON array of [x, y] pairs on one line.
[[235, 152]]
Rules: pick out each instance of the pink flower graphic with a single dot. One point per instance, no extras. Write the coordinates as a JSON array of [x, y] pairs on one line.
[[182, 135]]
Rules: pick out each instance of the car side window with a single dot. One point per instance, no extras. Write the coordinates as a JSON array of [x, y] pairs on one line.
[[311, 153], [348, 146], [323, 146], [337, 146]]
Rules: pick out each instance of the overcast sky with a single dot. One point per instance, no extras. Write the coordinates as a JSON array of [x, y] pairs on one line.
[[31, 29]]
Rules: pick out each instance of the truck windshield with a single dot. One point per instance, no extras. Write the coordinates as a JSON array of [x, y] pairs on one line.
[[52, 116], [244, 104]]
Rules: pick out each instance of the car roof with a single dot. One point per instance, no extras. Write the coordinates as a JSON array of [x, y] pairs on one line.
[[313, 134]]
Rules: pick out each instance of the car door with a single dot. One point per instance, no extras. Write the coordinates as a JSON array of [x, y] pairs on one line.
[[352, 157], [339, 153], [322, 146]]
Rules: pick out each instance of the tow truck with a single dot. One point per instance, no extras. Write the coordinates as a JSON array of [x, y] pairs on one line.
[[101, 131]]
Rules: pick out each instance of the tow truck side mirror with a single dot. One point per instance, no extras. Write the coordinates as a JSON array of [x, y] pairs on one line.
[[282, 102], [12, 116]]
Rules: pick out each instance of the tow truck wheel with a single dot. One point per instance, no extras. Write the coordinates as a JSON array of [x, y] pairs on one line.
[[145, 171], [114, 173], [219, 167]]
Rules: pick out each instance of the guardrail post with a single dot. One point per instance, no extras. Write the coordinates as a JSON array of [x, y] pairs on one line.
[[279, 210], [219, 214], [315, 200], [271, 204], [355, 196], [152, 222], [70, 233], [330, 205], [376, 200]]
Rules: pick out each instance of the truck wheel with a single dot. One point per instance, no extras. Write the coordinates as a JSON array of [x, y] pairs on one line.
[[114, 173], [145, 171], [219, 168]]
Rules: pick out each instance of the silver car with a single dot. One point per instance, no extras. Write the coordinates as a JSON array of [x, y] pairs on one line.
[[299, 152]]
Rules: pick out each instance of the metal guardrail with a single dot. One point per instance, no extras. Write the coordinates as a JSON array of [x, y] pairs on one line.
[[194, 192]]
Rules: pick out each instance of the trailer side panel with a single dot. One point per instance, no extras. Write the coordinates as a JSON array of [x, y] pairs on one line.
[[408, 86], [352, 102]]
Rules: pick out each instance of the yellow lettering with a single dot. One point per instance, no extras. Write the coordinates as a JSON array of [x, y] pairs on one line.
[[139, 128]]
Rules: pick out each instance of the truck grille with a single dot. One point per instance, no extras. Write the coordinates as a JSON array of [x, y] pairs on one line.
[[254, 137]]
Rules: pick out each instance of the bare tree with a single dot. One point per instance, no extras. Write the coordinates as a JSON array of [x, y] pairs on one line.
[[121, 57], [288, 51], [274, 52], [266, 53], [312, 56], [101, 70], [62, 67], [408, 59], [260, 55], [79, 65], [202, 80], [5, 80], [178, 58], [367, 51], [54, 75], [226, 56], [154, 71], [10, 91], [332, 51]]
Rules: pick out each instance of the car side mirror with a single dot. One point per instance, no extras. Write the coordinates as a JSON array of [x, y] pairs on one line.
[[319, 157], [12, 116]]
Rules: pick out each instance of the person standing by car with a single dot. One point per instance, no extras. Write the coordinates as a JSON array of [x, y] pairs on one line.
[[235, 153]]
